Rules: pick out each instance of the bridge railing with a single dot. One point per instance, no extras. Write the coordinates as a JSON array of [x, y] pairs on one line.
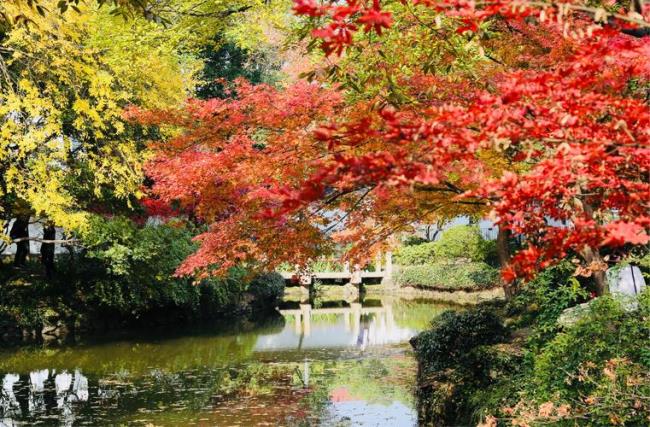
[[354, 275]]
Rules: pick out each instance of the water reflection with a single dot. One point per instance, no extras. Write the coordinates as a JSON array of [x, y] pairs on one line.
[[68, 389], [361, 413], [353, 326], [8, 402], [346, 364]]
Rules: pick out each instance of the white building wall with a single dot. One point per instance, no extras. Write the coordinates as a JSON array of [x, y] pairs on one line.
[[35, 230]]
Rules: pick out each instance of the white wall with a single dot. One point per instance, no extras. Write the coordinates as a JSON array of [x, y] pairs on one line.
[[35, 230]]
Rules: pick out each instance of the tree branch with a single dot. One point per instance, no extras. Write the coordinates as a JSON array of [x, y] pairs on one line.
[[56, 241]]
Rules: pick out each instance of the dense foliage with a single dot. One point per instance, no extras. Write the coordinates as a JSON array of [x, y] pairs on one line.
[[71, 161], [422, 253], [593, 371], [267, 290], [454, 360], [66, 150], [453, 335], [464, 242], [227, 160], [544, 109], [125, 276]]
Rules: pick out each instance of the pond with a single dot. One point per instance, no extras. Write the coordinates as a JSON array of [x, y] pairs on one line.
[[325, 363]]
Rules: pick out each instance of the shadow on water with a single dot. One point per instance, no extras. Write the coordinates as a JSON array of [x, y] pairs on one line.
[[339, 363]]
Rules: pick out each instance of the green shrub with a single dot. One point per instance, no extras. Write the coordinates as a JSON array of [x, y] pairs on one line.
[[618, 396], [414, 241], [459, 242], [415, 254], [129, 270], [543, 299], [124, 275], [20, 315], [607, 332], [267, 290], [127, 273], [222, 296], [463, 241], [453, 335], [456, 360], [449, 276], [596, 372]]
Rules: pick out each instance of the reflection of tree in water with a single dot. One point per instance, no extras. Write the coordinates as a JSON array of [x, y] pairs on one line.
[[28, 398], [418, 314], [211, 379], [245, 393], [37, 379], [375, 380], [249, 394], [9, 406], [137, 357], [189, 372]]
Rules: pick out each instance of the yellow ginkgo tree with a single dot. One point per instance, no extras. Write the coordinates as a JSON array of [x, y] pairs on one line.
[[60, 113], [65, 79]]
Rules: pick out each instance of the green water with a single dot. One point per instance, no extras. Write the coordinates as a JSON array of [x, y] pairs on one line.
[[338, 364]]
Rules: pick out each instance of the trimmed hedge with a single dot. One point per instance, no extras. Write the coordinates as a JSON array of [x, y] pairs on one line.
[[449, 276]]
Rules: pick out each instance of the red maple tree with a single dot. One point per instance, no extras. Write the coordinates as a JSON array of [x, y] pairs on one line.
[[562, 136], [576, 125], [225, 166]]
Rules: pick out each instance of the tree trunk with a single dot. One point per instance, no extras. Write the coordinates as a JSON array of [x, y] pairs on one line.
[[503, 250], [47, 250], [592, 257], [503, 253], [20, 229], [594, 261]]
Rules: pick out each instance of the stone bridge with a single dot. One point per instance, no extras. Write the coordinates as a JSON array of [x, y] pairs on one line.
[[355, 276]]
